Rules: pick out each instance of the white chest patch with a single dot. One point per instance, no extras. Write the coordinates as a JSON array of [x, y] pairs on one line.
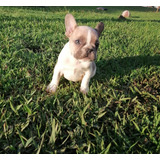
[[74, 70]]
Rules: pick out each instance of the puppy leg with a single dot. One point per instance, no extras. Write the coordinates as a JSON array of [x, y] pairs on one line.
[[85, 83], [52, 87]]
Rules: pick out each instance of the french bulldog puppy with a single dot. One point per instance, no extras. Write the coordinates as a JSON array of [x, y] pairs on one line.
[[76, 60]]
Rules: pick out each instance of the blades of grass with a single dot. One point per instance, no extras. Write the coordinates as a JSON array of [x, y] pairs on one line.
[[81, 114], [108, 148], [137, 90], [144, 130], [3, 114], [102, 144], [21, 137], [24, 125], [27, 101], [136, 125], [18, 107], [132, 90], [55, 130], [27, 109], [13, 109], [114, 94], [124, 120], [5, 129], [65, 140], [85, 108], [106, 151], [108, 102], [82, 118], [117, 115], [28, 142], [88, 147], [124, 99], [33, 92], [53, 134], [150, 95], [101, 114], [116, 127], [40, 146], [26, 106], [132, 147]]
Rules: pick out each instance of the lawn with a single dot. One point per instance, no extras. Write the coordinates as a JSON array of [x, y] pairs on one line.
[[120, 114]]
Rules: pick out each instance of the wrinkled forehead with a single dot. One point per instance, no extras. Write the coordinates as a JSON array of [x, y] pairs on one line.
[[85, 33]]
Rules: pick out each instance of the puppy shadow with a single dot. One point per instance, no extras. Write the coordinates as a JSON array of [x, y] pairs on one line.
[[123, 66]]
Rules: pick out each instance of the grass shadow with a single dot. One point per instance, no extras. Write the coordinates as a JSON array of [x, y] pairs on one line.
[[124, 66]]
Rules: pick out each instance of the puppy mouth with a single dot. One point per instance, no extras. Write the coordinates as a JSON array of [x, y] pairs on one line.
[[90, 57]]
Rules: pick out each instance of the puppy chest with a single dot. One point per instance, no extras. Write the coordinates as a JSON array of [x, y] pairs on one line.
[[73, 69], [73, 73]]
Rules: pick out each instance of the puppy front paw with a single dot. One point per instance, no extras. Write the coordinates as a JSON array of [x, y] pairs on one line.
[[84, 90], [51, 88]]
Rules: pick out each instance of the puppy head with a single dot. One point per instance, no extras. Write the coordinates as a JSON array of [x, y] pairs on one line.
[[83, 40]]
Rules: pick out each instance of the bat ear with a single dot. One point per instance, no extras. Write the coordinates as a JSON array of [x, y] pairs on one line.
[[99, 28], [70, 24]]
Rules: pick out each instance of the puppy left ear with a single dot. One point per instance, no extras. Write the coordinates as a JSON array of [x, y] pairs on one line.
[[99, 28], [70, 24]]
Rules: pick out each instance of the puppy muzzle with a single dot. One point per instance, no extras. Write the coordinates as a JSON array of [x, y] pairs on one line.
[[91, 54]]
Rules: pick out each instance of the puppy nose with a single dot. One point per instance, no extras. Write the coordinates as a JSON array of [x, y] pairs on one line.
[[90, 50]]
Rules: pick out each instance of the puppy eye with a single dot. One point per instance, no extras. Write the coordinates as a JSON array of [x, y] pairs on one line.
[[77, 41]]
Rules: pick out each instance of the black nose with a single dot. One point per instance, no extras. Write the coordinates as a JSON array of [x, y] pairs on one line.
[[90, 50]]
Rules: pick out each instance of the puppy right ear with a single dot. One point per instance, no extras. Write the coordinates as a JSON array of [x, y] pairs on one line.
[[99, 28], [70, 24]]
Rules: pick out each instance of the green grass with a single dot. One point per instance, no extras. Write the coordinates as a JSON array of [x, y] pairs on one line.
[[121, 113]]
